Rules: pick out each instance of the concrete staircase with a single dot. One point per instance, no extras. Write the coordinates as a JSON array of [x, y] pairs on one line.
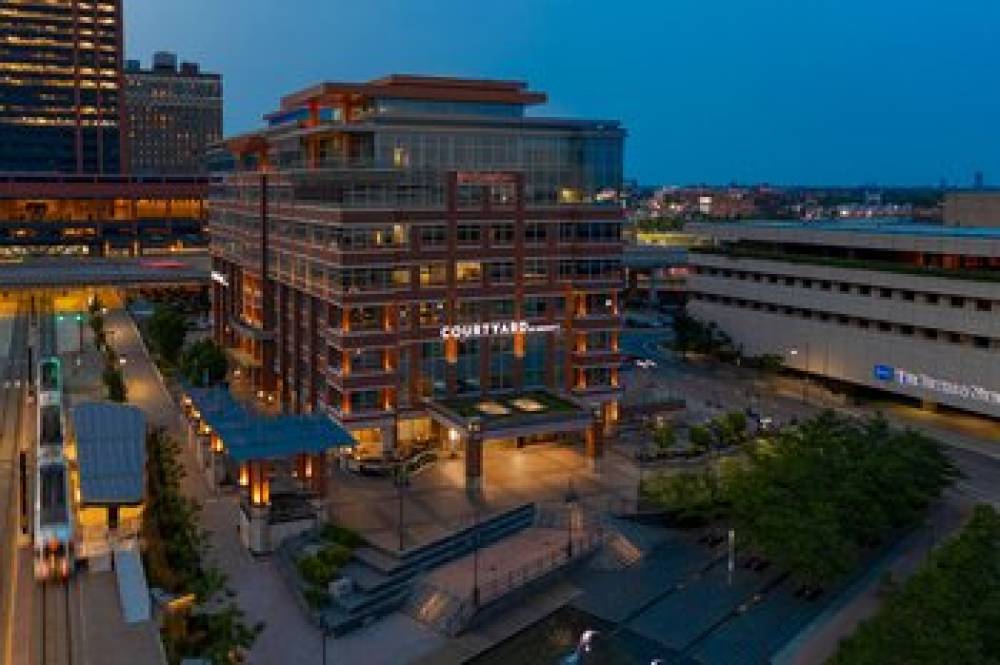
[[386, 581]]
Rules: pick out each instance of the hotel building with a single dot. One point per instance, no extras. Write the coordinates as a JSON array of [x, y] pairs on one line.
[[60, 85], [911, 309], [422, 260]]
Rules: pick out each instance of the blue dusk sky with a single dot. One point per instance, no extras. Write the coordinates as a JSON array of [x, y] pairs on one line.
[[714, 91]]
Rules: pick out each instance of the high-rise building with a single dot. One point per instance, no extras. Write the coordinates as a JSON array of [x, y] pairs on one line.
[[426, 263], [174, 114], [60, 84]]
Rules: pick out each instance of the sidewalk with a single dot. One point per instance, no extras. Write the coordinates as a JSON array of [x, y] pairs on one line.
[[260, 590], [821, 639]]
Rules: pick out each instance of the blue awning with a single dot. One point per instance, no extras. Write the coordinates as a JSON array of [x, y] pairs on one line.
[[248, 435]]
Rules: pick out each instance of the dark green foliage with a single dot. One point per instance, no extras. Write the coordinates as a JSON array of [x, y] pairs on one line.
[[175, 548], [693, 336], [664, 437], [342, 535], [815, 498], [167, 329], [201, 359], [948, 612], [114, 383]]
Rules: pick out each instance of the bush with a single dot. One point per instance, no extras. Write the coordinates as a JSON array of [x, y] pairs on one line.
[[338, 534], [114, 383], [665, 437]]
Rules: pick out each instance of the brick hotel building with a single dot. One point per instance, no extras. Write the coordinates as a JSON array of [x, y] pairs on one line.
[[426, 263]]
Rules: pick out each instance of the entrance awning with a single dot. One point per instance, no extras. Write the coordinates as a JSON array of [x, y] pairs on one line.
[[511, 416]]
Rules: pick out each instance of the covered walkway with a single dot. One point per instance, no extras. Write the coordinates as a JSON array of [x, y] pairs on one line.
[[278, 462]]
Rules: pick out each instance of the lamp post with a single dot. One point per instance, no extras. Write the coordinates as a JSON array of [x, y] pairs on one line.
[[475, 561], [324, 628], [805, 372], [571, 499]]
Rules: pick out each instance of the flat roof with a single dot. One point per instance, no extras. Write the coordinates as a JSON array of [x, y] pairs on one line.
[[891, 227], [408, 86], [111, 451]]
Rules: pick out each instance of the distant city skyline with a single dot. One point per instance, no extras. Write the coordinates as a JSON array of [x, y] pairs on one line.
[[817, 92]]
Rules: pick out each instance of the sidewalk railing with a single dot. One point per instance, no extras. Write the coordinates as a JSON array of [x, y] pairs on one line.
[[501, 585]]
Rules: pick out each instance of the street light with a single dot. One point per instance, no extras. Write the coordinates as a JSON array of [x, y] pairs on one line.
[[571, 500]]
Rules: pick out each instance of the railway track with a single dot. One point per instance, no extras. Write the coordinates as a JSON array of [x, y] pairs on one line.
[[56, 646]]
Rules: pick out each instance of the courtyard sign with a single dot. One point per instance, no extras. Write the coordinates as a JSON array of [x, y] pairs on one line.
[[494, 329], [918, 380]]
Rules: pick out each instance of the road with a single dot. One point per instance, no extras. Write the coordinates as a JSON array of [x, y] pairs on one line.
[[711, 388]]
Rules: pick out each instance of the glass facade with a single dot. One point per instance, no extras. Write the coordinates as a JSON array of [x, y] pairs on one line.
[[60, 78], [409, 218]]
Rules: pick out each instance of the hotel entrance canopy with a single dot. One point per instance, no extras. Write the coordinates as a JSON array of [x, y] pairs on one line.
[[511, 416], [248, 435]]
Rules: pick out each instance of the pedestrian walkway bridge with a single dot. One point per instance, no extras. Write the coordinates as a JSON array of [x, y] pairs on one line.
[[75, 272]]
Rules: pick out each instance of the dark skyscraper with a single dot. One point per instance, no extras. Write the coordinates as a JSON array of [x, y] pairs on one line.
[[60, 83], [174, 114]]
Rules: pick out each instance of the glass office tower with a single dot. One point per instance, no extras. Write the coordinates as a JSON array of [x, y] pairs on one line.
[[60, 83]]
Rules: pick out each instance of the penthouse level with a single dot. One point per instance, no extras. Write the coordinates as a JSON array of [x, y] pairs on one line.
[[366, 223], [912, 309]]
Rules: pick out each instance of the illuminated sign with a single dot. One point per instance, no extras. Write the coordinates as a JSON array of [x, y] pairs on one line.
[[485, 178], [494, 329], [219, 278], [945, 387]]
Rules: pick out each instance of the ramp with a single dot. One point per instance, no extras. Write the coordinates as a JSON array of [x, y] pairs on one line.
[[133, 591]]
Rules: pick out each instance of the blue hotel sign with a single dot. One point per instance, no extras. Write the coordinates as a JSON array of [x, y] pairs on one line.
[[906, 378], [884, 373]]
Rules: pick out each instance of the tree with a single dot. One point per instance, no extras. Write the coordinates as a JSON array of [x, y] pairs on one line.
[[946, 613], [201, 358], [700, 437], [114, 382], [167, 330], [664, 436]]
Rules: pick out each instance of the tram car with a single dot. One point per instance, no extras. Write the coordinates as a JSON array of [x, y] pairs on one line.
[[50, 382], [53, 543]]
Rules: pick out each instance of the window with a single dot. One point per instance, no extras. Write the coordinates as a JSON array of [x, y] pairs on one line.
[[367, 360], [432, 236], [469, 234], [909, 296], [536, 233], [885, 293], [366, 318], [467, 272], [364, 400], [981, 342], [502, 234], [931, 298], [431, 313], [865, 290], [536, 270], [844, 287], [535, 307], [984, 305], [930, 333], [433, 275], [957, 302], [501, 272]]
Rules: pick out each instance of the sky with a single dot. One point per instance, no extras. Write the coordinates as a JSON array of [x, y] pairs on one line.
[[887, 92]]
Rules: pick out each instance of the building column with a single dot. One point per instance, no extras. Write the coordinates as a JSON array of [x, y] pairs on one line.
[[474, 462], [595, 441]]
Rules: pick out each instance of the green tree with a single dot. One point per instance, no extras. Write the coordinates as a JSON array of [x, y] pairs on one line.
[[202, 358], [700, 437], [167, 330], [664, 437]]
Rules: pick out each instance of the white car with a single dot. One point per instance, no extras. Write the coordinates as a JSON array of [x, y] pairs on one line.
[[645, 363]]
